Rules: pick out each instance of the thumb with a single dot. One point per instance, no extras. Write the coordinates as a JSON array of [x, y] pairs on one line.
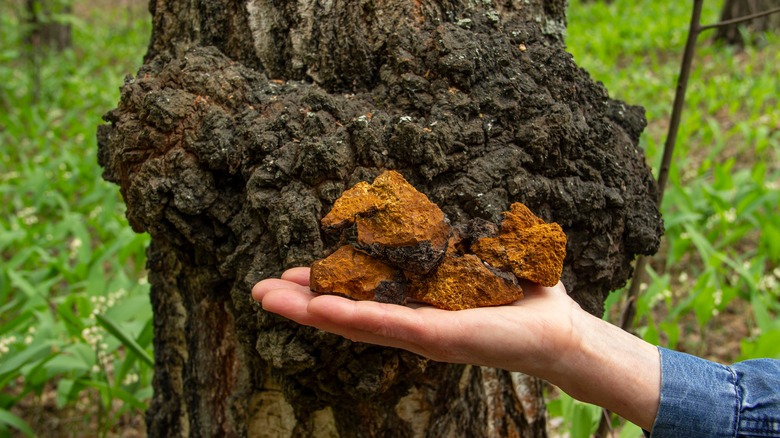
[[531, 289]]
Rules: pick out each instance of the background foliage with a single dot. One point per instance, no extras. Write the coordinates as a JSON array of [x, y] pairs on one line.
[[73, 295], [713, 286], [75, 320]]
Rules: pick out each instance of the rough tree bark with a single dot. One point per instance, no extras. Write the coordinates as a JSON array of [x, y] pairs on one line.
[[246, 122], [741, 8]]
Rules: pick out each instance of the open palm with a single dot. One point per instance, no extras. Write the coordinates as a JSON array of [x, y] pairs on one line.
[[511, 337], [545, 334]]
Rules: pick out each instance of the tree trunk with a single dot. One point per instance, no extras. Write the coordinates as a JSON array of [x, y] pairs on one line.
[[45, 30], [733, 34], [247, 121]]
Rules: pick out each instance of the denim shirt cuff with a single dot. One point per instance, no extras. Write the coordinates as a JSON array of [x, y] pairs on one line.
[[698, 397]]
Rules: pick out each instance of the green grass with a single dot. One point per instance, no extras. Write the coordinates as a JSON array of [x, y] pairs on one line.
[[69, 259], [75, 319], [721, 204], [720, 257]]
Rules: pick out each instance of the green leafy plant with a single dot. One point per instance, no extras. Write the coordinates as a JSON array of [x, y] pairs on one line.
[[720, 209], [75, 318], [719, 261], [74, 313], [578, 419]]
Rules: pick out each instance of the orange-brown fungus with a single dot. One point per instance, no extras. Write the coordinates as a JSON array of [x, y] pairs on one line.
[[351, 273], [462, 282], [395, 222], [401, 242], [526, 246], [359, 200]]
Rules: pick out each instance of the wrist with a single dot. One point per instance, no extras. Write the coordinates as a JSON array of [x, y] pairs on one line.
[[612, 368], [562, 344]]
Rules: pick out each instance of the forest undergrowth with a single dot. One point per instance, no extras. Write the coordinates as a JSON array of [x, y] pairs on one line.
[[712, 289], [75, 319]]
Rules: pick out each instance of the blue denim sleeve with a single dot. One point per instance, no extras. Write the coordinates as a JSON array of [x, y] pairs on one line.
[[700, 398]]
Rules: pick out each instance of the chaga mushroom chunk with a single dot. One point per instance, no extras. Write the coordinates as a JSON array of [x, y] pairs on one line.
[[526, 246], [395, 223], [463, 282], [350, 273], [406, 247]]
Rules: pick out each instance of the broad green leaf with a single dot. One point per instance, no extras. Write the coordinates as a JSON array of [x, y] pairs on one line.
[[680, 247], [704, 304], [126, 340], [124, 370], [132, 307], [702, 244], [771, 238], [84, 352], [751, 203], [682, 218], [631, 430], [64, 391], [767, 345], [584, 420], [723, 173], [12, 420], [18, 360], [35, 375], [687, 302], [33, 295], [555, 408], [760, 312], [73, 323], [613, 299], [145, 338], [144, 393], [16, 322], [672, 331], [7, 237], [66, 363], [651, 332], [96, 281]]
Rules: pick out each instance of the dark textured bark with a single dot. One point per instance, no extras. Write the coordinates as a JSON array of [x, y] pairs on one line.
[[733, 9], [248, 120]]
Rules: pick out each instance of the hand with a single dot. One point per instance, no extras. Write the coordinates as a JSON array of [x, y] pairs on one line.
[[545, 334], [529, 335]]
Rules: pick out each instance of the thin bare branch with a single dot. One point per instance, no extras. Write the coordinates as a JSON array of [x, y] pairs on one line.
[[739, 20], [679, 98], [627, 318]]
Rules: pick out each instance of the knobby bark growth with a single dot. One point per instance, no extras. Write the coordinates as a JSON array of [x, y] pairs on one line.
[[248, 119]]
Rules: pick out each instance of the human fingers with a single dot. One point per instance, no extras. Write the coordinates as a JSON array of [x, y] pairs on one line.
[[383, 320], [292, 304], [533, 289], [260, 289], [292, 300], [298, 275], [387, 320], [424, 330]]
